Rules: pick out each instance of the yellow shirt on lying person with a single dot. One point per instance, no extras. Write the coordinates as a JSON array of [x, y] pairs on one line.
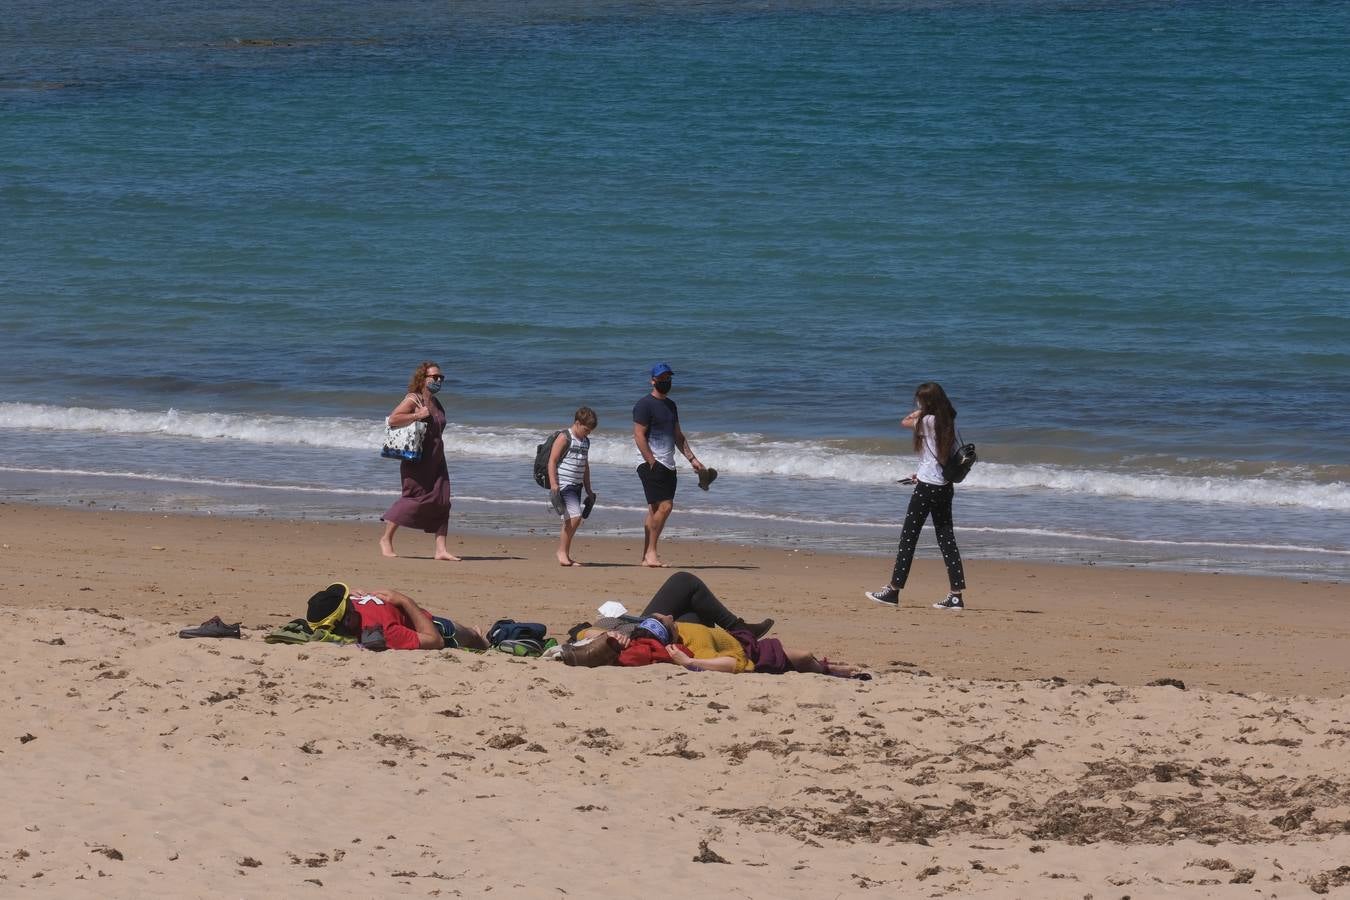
[[705, 643]]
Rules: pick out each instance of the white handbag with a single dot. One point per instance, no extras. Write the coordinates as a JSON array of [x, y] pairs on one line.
[[404, 443]]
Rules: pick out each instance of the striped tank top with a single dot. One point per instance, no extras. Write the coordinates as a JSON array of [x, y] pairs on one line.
[[572, 464]]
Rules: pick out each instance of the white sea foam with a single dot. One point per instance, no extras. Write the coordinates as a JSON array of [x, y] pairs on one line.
[[201, 482], [741, 454]]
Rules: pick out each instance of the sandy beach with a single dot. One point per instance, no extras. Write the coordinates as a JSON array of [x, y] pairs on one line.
[[1015, 749]]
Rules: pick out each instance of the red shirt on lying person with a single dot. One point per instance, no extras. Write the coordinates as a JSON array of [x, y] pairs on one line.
[[398, 631], [643, 651]]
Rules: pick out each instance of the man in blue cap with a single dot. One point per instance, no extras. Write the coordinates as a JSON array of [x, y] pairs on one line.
[[656, 431]]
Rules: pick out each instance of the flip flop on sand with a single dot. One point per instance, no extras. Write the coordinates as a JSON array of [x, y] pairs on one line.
[[212, 628], [706, 477]]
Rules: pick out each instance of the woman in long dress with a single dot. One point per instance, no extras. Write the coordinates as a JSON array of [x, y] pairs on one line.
[[425, 500]]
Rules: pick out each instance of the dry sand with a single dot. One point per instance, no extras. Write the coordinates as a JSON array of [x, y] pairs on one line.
[[133, 763]]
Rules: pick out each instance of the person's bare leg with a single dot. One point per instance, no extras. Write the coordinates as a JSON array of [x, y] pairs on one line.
[[387, 540], [442, 551], [657, 514], [565, 535], [470, 638], [804, 661]]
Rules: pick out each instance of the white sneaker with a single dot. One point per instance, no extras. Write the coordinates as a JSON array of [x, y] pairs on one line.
[[952, 601]]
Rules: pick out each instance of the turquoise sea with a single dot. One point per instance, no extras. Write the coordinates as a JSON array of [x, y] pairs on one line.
[[1115, 231]]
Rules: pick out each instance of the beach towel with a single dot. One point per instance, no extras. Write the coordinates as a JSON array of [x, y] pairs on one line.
[[297, 631]]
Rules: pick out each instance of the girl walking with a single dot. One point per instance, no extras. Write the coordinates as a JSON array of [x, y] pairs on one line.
[[934, 424]]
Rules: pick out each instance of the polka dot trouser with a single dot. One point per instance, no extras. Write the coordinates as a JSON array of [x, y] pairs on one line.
[[934, 499]]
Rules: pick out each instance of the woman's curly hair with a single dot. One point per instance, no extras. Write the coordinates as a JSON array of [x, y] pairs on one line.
[[419, 376]]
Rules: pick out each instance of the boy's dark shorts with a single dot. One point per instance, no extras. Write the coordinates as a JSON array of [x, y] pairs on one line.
[[447, 630], [658, 482]]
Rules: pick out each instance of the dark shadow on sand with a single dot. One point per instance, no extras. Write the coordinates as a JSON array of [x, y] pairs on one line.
[[670, 569], [465, 558]]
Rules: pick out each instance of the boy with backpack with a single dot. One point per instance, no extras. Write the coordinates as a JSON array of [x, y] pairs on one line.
[[569, 474]]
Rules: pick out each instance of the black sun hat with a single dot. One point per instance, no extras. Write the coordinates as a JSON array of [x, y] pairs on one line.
[[328, 606]]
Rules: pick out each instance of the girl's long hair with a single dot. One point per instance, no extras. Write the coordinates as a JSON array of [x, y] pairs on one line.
[[932, 401], [419, 377]]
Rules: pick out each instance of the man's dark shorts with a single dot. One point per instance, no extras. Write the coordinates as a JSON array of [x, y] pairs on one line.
[[658, 482], [447, 630]]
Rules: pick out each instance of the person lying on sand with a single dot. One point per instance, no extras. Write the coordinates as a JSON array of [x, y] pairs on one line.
[[405, 625], [683, 596], [662, 639]]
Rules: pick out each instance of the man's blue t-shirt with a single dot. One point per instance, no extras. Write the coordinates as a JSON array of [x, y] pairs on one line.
[[659, 415]]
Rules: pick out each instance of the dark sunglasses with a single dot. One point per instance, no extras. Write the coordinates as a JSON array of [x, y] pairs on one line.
[[435, 377]]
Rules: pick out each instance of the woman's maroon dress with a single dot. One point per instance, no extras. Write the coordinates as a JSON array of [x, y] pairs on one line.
[[425, 503]]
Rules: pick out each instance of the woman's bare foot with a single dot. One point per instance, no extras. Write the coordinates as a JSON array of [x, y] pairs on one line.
[[841, 670], [653, 563], [565, 560], [387, 549], [446, 556]]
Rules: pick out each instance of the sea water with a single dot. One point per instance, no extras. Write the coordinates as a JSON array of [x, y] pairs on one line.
[[1114, 231]]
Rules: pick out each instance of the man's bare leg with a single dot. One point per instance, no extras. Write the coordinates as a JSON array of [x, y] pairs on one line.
[[470, 638], [655, 523], [442, 551], [387, 540]]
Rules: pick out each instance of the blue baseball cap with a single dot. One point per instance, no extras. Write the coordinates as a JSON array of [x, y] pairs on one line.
[[662, 369]]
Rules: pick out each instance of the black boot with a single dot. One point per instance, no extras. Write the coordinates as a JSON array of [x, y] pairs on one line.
[[758, 629]]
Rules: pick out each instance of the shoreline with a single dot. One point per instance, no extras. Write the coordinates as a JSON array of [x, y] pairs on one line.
[[521, 516], [1026, 621]]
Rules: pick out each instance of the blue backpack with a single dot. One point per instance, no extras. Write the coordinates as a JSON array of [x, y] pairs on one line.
[[510, 630]]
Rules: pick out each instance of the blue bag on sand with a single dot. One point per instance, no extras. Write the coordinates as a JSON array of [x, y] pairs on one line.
[[525, 647], [511, 630]]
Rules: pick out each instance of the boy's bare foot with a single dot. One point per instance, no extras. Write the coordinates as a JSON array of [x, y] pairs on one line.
[[387, 549], [446, 556]]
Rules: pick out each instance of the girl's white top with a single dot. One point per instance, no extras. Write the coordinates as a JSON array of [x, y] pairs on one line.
[[930, 471]]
